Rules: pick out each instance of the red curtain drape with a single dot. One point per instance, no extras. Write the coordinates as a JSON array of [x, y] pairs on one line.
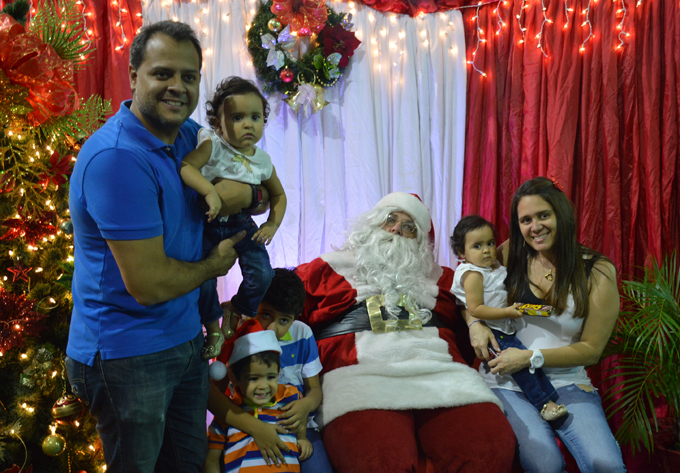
[[603, 122], [106, 73]]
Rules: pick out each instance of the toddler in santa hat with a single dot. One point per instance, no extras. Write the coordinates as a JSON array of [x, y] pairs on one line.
[[254, 366]]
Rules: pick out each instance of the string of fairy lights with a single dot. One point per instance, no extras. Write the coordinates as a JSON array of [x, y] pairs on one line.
[[546, 23]]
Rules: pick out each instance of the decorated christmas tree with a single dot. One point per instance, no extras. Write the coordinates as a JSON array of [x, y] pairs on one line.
[[43, 122]]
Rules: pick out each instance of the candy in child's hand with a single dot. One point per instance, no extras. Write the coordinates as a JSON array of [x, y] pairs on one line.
[[536, 309]]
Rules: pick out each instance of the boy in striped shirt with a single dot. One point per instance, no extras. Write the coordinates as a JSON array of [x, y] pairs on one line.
[[254, 367]]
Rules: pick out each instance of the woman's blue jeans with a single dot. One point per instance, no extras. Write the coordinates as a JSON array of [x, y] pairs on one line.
[[584, 432], [255, 267], [150, 409]]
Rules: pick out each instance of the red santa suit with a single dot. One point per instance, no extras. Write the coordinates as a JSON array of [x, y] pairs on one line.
[[400, 401]]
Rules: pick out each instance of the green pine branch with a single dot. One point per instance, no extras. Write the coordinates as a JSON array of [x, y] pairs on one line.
[[80, 124], [60, 24]]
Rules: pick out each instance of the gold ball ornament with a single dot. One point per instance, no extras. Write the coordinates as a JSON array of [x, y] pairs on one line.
[[54, 445], [274, 25], [67, 409]]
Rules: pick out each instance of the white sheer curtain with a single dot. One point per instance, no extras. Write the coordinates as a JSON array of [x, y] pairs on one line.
[[396, 122]]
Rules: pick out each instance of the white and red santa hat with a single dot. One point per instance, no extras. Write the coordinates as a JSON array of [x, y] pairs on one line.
[[412, 205], [249, 339]]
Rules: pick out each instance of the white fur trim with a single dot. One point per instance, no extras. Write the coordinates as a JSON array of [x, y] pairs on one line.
[[401, 371], [409, 204], [344, 263]]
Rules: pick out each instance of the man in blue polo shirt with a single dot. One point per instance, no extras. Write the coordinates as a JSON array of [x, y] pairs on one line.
[[135, 336]]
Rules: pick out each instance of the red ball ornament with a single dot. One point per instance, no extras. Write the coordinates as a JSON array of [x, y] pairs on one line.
[[67, 409], [287, 75]]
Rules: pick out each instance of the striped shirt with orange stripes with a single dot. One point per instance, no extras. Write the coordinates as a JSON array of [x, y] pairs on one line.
[[240, 452]]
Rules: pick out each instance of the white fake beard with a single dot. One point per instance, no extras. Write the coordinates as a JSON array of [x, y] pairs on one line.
[[394, 265]]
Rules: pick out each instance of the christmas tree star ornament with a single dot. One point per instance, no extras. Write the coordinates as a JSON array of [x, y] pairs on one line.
[[20, 272]]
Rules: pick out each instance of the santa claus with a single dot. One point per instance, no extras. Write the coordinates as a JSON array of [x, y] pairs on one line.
[[398, 396]]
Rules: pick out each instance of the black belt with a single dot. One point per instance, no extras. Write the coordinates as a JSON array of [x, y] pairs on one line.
[[356, 320]]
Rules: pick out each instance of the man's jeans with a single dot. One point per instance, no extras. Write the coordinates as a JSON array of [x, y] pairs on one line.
[[255, 267], [150, 409]]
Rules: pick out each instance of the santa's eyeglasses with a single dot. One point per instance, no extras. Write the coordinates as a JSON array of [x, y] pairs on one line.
[[407, 226]]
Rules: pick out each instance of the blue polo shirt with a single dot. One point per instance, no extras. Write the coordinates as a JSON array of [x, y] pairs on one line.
[[124, 186]]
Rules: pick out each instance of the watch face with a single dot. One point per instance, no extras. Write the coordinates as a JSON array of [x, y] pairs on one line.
[[536, 359]]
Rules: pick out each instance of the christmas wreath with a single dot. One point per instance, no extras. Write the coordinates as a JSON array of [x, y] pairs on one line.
[[277, 30]]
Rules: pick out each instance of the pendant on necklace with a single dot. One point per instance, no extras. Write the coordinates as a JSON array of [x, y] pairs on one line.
[[549, 275]]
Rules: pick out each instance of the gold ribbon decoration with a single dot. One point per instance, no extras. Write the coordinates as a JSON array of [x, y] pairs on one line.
[[378, 325]]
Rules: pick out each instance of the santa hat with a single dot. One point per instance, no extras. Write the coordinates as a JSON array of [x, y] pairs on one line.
[[412, 205], [249, 339]]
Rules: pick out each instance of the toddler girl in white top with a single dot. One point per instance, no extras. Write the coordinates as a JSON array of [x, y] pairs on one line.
[[479, 285], [237, 114]]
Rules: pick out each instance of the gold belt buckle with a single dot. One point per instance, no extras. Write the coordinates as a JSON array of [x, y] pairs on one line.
[[378, 325]]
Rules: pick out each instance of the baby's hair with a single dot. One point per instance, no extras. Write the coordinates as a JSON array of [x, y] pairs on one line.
[[286, 292], [228, 87], [466, 225], [243, 366]]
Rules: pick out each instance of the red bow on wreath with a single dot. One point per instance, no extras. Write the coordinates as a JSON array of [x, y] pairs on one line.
[[304, 16], [29, 62]]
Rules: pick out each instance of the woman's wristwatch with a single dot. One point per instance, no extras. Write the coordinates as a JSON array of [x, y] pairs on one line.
[[536, 361]]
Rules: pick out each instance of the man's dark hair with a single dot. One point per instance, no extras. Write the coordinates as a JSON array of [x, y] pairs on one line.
[[286, 293], [232, 86], [242, 367], [466, 225], [176, 30]]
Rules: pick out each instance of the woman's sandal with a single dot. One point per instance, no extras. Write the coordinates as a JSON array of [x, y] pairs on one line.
[[559, 411], [209, 352]]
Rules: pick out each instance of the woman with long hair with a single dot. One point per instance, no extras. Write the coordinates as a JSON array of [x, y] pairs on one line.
[[547, 266]]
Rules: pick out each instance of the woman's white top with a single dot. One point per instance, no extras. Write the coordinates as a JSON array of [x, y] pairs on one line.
[[546, 332], [495, 294], [227, 163]]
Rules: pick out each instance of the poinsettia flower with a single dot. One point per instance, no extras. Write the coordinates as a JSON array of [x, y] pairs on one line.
[[304, 16], [338, 40], [60, 168]]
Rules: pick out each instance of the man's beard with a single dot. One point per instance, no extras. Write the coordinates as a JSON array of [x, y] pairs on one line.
[[394, 265]]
